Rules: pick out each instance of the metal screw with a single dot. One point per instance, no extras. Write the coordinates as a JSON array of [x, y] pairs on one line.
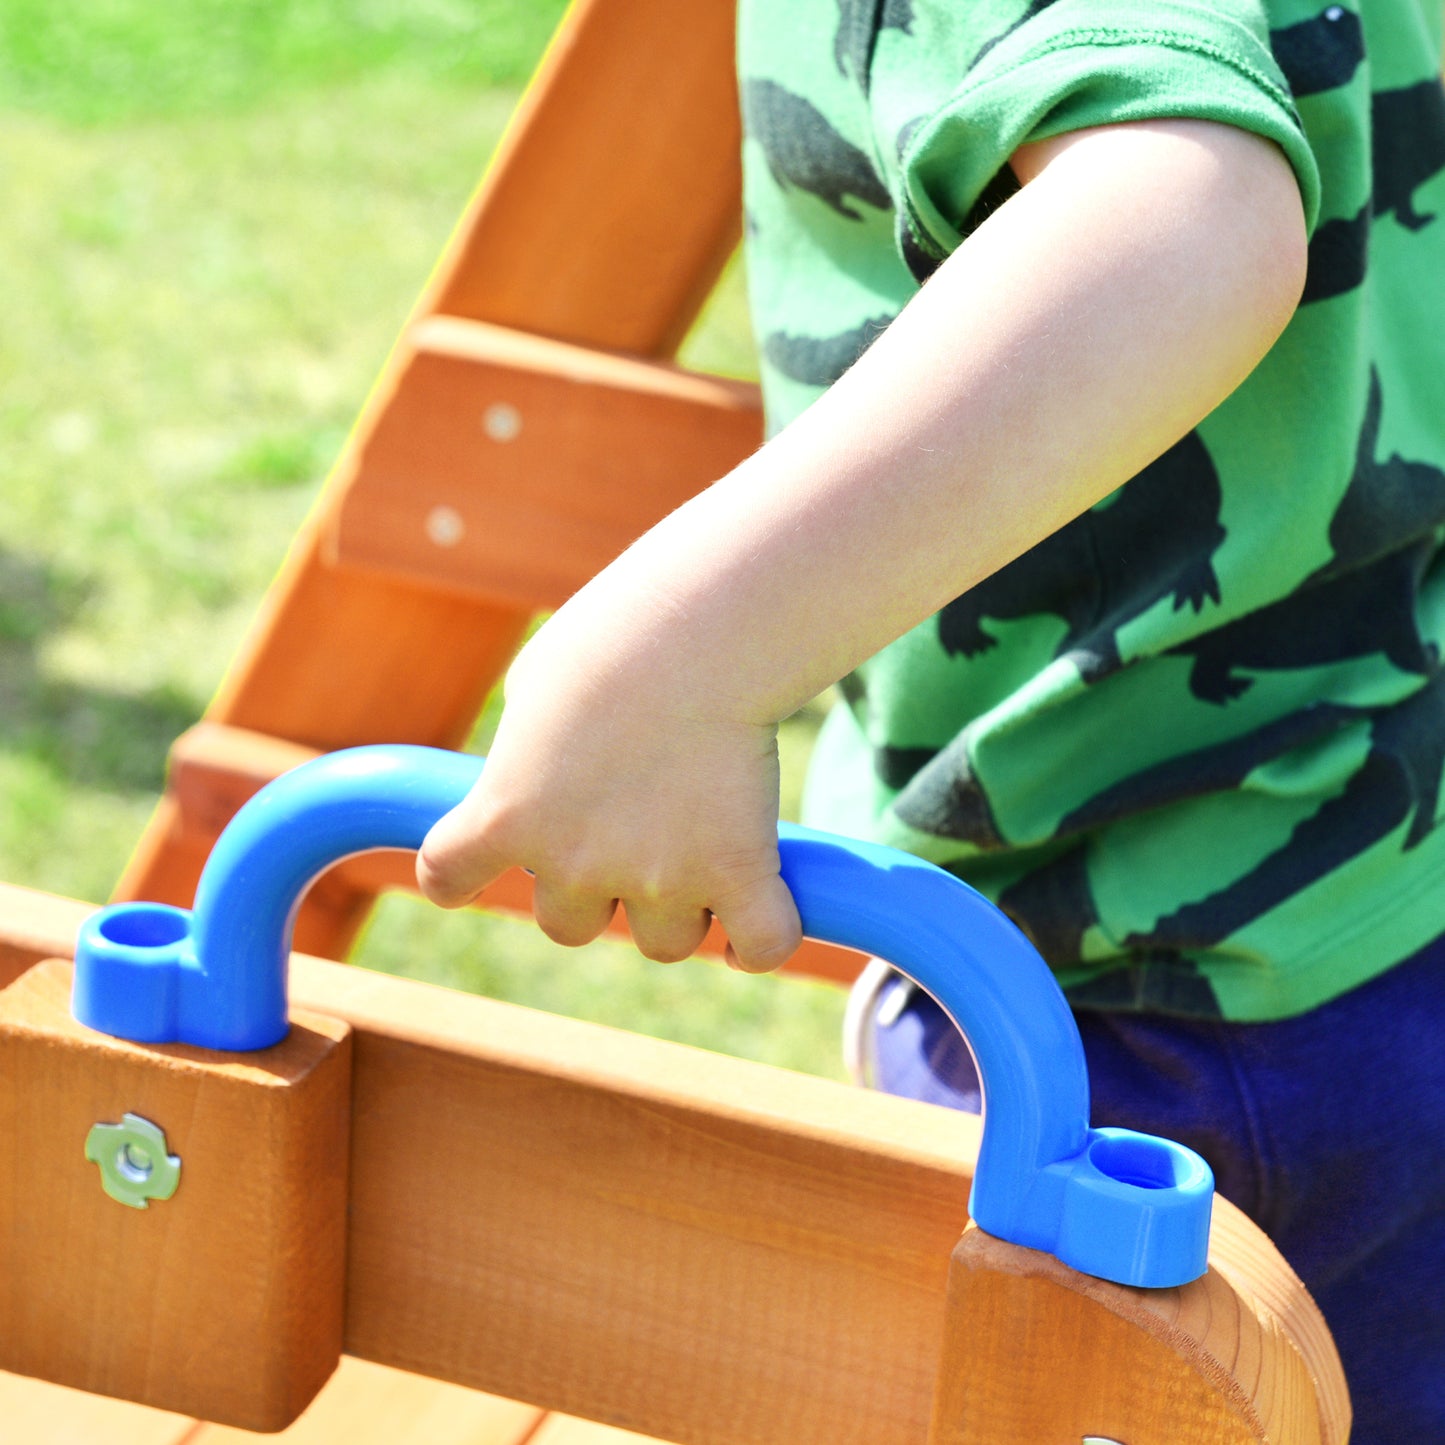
[[445, 527], [134, 1165], [502, 422]]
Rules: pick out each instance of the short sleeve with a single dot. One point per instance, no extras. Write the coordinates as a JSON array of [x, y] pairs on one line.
[[1072, 64]]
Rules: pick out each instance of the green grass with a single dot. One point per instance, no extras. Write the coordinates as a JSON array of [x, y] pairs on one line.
[[217, 216], [116, 60]]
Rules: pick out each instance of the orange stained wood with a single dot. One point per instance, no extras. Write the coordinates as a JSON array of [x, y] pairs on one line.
[[516, 468], [711, 1251], [362, 1404], [603, 222], [366, 1404], [616, 196], [223, 1300], [36, 926], [35, 1412]]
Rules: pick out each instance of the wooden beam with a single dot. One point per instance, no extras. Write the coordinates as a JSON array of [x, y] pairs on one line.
[[366, 1404], [694, 1247], [513, 468], [616, 196], [214, 769], [35, 926], [663, 1239]]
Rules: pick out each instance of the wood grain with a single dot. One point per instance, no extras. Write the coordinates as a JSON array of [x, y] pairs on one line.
[[223, 1301], [367, 1404], [616, 195], [1034, 1351], [700, 1249], [585, 451], [680, 1244]]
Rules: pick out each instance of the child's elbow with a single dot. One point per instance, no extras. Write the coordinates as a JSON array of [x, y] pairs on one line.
[[1275, 244]]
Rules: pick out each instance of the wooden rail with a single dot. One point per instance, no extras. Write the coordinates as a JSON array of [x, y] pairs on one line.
[[720, 1253]]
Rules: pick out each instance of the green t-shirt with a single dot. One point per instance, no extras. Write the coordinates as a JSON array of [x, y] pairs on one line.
[[1193, 742]]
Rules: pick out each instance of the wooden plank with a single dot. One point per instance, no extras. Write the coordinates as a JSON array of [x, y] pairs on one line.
[[35, 925], [512, 468], [679, 1243], [224, 1300], [367, 1404], [214, 769], [690, 1246], [1217, 1374], [684, 1245], [35, 1412], [616, 196], [339, 657]]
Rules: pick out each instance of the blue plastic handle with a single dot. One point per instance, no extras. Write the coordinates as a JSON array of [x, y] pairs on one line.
[[1110, 1202]]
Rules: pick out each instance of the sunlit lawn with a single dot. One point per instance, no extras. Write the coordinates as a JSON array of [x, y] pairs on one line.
[[213, 227]]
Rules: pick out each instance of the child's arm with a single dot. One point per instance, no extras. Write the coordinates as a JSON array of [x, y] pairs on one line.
[[1135, 280]]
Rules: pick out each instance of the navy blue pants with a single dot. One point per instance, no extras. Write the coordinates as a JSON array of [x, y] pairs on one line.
[[1328, 1130]]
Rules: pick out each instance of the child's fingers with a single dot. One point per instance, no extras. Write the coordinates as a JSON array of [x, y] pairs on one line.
[[570, 915], [762, 926], [453, 865], [666, 936]]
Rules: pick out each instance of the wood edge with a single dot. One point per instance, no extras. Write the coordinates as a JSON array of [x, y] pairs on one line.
[[636, 1065], [38, 1002], [443, 1018], [488, 344], [1243, 1261], [1245, 1256], [43, 925]]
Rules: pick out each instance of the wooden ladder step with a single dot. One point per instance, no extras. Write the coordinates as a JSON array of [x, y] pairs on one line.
[[512, 467]]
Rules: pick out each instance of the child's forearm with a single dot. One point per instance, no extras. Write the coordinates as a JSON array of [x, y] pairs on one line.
[[1131, 285], [1138, 276]]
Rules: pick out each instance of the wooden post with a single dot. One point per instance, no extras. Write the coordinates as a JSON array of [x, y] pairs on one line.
[[1034, 1352], [226, 1298]]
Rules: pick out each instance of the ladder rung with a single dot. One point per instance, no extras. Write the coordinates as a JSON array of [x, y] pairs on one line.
[[514, 467]]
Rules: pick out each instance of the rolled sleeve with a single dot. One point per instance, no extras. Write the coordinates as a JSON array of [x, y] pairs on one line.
[[1076, 64]]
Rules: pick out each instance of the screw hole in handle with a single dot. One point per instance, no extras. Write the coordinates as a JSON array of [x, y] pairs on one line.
[[1110, 1202]]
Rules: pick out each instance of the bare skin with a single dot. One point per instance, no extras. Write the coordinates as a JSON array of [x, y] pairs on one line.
[[1136, 279]]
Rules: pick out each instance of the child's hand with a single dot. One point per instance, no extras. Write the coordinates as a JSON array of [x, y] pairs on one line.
[[611, 783], [1137, 277]]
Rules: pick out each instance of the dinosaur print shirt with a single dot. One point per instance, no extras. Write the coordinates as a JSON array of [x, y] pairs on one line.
[[1192, 742]]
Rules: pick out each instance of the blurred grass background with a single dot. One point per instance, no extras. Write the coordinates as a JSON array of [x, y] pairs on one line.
[[217, 214]]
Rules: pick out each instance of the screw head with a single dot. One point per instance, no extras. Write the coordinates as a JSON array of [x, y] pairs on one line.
[[134, 1165], [502, 422], [445, 526]]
